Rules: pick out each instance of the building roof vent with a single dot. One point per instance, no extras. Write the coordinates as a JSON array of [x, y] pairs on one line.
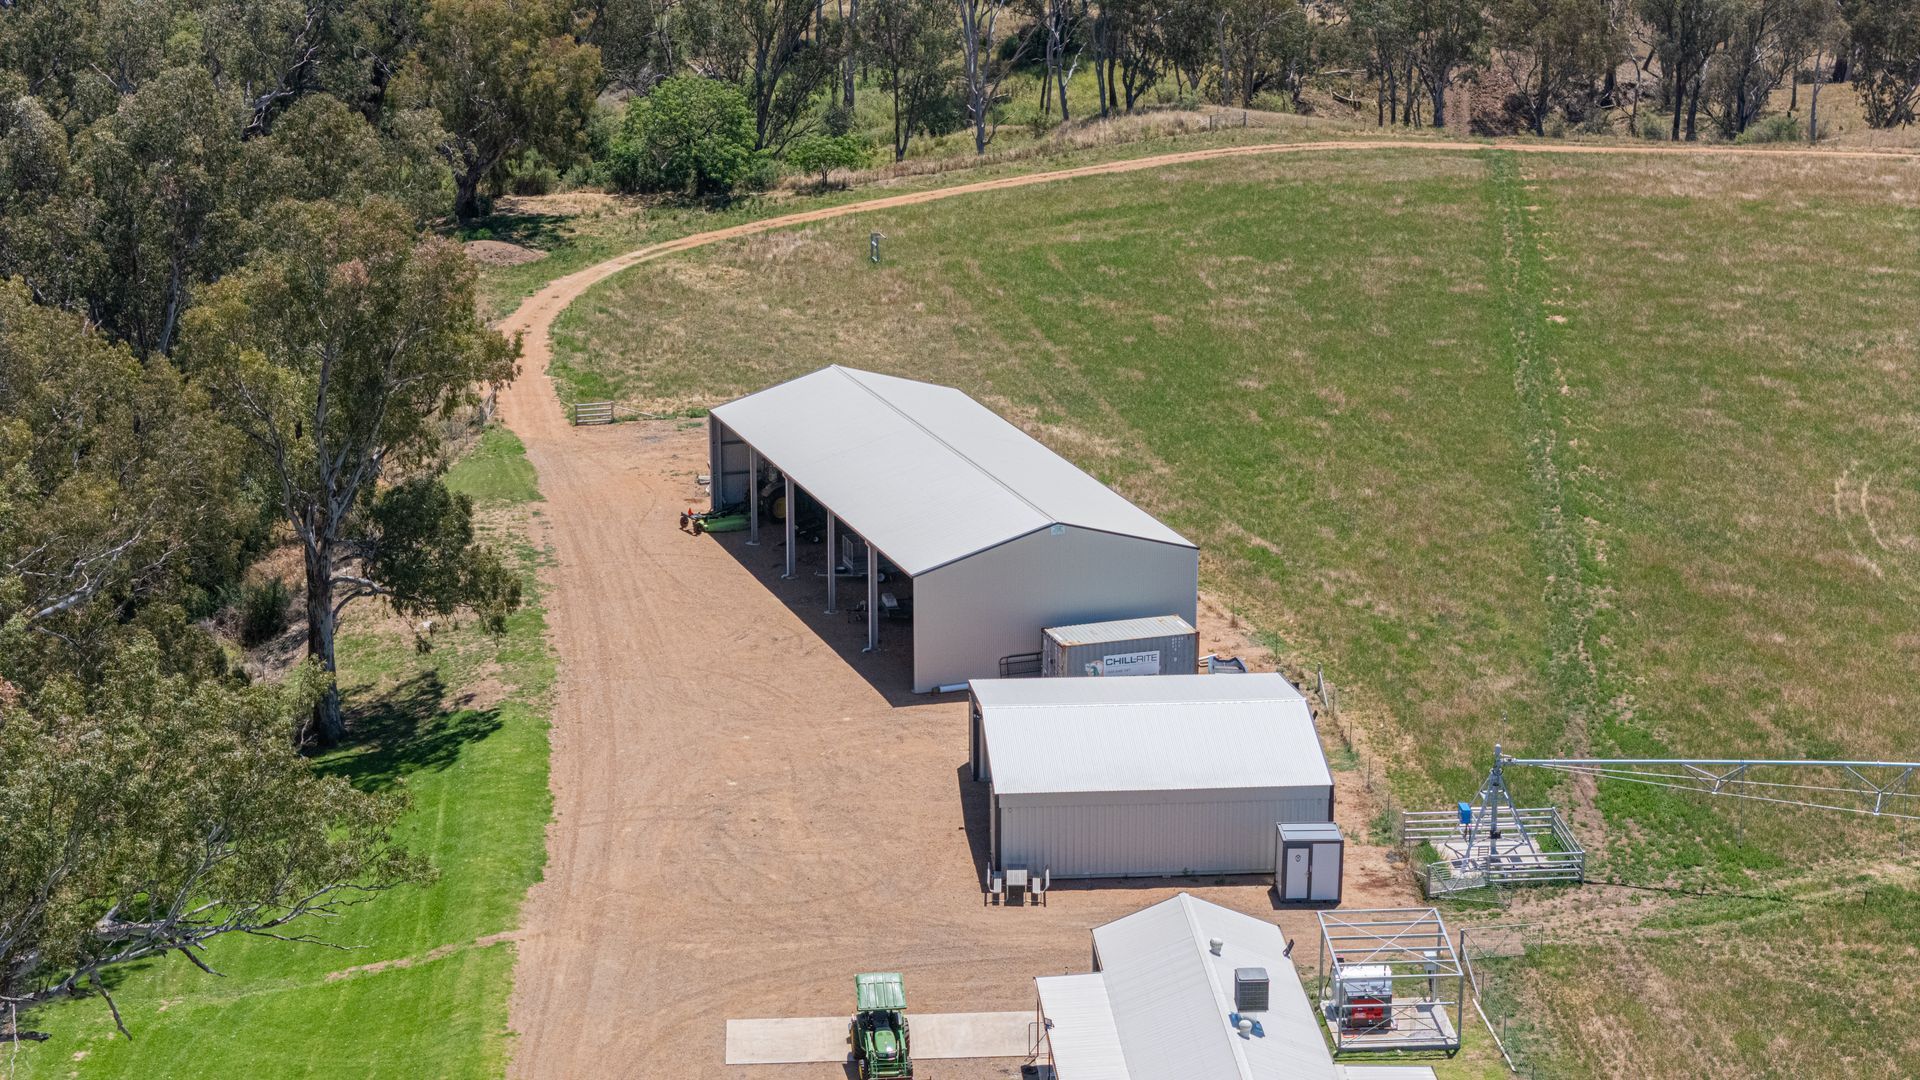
[[1214, 945], [1251, 989]]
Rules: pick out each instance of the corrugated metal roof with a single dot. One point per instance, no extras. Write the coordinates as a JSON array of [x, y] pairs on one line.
[[1266, 686], [1080, 1027], [1386, 1072], [1309, 830], [924, 472], [1170, 997], [1157, 733], [1120, 630]]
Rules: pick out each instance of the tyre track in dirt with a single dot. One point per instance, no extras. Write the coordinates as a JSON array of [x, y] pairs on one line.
[[713, 745]]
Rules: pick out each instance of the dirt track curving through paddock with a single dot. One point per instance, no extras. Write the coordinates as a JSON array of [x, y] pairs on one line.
[[746, 810]]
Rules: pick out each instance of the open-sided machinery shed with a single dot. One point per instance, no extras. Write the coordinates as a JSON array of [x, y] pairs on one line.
[[1168, 775], [1001, 536]]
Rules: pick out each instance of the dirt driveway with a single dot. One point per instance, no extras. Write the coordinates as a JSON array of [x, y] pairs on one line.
[[748, 811]]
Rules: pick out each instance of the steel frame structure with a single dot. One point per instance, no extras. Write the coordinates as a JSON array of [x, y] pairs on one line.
[[1414, 945], [1498, 841], [1879, 788]]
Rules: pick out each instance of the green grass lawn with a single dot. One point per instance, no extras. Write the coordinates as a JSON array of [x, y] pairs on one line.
[[462, 731], [495, 472], [1583, 454]]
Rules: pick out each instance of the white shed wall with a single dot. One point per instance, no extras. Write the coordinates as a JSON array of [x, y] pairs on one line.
[[969, 614], [1150, 833], [728, 461]]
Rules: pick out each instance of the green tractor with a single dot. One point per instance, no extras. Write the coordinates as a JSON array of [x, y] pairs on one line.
[[879, 1029]]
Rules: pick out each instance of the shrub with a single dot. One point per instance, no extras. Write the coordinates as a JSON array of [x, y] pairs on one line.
[[1595, 122], [824, 153], [1555, 125], [531, 174], [1773, 129], [838, 119], [1652, 127], [763, 173], [594, 171], [263, 612], [691, 135]]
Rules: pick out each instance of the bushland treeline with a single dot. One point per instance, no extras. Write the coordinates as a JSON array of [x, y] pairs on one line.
[[227, 327]]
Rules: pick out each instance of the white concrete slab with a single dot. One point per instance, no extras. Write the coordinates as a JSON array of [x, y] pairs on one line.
[[792, 1040], [788, 1039], [970, 1035]]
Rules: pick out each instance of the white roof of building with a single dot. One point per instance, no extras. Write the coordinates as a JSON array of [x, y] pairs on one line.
[[923, 472], [1081, 1027], [1099, 633], [1149, 733], [1169, 1000]]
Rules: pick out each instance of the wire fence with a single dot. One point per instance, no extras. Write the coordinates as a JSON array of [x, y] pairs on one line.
[[1485, 953], [1384, 828]]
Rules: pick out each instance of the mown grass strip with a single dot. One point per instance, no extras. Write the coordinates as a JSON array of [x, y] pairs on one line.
[[1573, 578]]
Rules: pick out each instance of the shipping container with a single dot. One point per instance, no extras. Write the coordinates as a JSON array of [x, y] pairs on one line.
[[1161, 645]]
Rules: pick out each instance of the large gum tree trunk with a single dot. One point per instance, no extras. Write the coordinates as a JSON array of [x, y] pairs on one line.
[[847, 69], [466, 204], [326, 727]]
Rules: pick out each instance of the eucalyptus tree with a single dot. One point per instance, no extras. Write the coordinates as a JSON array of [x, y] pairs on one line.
[[1261, 43], [1384, 30], [1885, 35], [1766, 41], [506, 76], [782, 54], [120, 491], [1552, 51], [1059, 25], [910, 45], [1687, 35], [336, 352], [158, 197], [983, 64], [638, 40]]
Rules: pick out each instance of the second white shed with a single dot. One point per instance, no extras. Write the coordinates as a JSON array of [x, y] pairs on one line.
[[1181, 774]]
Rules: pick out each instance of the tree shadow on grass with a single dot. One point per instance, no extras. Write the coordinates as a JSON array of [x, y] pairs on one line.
[[405, 730], [543, 232]]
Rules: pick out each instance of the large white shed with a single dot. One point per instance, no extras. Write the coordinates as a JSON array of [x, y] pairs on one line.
[[1169, 775], [1000, 536]]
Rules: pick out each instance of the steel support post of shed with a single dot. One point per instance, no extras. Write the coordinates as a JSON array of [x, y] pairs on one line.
[[873, 599], [753, 497], [833, 559], [791, 537]]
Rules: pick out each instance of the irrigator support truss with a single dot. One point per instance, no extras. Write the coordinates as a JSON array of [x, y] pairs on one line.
[[1492, 841]]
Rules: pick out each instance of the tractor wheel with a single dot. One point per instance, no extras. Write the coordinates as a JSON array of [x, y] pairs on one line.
[[864, 1071]]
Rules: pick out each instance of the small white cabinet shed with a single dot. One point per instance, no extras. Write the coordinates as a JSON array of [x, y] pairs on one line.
[[1308, 862]]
